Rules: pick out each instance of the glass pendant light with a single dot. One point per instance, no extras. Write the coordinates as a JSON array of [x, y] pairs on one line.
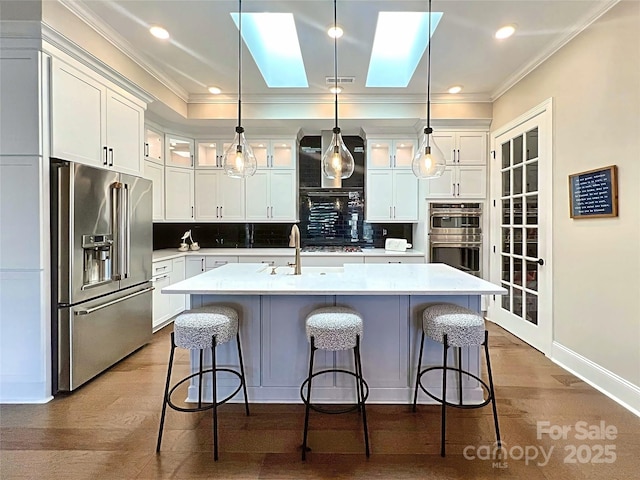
[[239, 160], [337, 161], [428, 161]]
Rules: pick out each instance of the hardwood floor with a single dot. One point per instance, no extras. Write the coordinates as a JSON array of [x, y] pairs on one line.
[[108, 430]]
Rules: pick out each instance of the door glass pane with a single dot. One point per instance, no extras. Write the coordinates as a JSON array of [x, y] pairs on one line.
[[180, 152], [506, 183], [517, 150], [506, 155], [532, 144], [506, 268], [517, 241], [517, 180], [207, 154], [517, 302], [532, 210], [404, 153], [506, 211], [506, 299], [532, 176], [531, 313], [517, 211], [380, 154], [517, 271], [532, 242], [506, 240], [532, 276], [260, 152], [282, 154]]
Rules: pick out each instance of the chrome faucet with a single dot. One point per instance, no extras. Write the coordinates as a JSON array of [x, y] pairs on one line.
[[294, 241]]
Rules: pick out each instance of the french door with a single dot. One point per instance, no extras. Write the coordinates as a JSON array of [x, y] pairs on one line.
[[521, 227]]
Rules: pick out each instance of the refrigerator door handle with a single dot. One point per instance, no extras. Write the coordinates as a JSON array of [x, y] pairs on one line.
[[87, 311], [115, 230], [126, 222]]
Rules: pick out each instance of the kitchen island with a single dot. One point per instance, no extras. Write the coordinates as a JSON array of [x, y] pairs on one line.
[[273, 304]]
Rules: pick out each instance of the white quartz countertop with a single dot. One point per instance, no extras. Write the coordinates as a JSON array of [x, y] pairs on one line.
[[353, 279], [170, 253]]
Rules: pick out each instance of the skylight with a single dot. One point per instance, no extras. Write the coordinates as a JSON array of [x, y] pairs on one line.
[[273, 42], [399, 43]]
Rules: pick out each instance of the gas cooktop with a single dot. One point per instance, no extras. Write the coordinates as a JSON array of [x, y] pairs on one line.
[[332, 248]]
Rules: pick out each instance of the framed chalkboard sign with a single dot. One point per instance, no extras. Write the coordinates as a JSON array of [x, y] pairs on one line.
[[594, 193]]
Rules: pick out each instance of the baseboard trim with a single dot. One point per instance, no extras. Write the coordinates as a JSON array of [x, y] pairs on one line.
[[613, 386]]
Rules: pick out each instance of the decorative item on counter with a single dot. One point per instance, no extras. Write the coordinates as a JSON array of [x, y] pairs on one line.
[[184, 246]]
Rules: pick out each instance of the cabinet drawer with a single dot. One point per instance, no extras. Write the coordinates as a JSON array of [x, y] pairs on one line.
[[275, 261], [162, 267], [218, 261], [394, 259]]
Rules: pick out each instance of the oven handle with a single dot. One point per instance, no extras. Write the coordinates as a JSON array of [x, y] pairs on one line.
[[456, 244], [88, 311], [456, 214]]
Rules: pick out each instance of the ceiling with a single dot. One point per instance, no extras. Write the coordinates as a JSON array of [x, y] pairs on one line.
[[202, 50]]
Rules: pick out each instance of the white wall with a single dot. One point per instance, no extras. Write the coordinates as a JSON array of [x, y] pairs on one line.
[[595, 84]]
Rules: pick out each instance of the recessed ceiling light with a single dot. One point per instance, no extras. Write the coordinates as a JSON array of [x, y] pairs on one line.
[[335, 32], [214, 90], [335, 90], [159, 32], [505, 32], [455, 89]]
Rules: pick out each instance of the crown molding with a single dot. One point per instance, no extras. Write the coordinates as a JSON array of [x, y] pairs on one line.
[[58, 41], [577, 28], [115, 39]]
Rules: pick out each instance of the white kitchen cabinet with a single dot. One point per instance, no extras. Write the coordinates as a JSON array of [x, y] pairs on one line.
[[464, 181], [179, 194], [465, 175], [392, 196], [390, 152], [393, 259], [271, 195], [462, 148], [179, 151], [196, 264], [167, 306], [155, 172], [210, 152], [219, 197], [92, 123], [153, 145], [275, 152]]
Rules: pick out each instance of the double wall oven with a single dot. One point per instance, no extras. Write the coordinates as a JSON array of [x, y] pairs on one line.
[[455, 235]]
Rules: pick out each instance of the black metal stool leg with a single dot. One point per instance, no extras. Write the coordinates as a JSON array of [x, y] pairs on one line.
[[358, 367], [308, 403], [214, 383], [244, 380], [200, 380], [166, 392], [445, 346], [492, 393], [415, 394], [459, 375], [358, 390]]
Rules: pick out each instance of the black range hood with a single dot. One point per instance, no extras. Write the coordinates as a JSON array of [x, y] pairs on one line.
[[310, 167]]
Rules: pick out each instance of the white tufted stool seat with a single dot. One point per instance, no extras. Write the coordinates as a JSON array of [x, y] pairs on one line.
[[197, 329], [455, 327], [194, 329], [334, 328], [463, 327]]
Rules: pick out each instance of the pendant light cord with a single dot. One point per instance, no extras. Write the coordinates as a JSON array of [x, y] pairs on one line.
[[239, 63], [335, 59], [429, 71]]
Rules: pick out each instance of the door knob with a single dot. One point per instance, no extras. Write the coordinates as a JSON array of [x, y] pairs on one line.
[[540, 261]]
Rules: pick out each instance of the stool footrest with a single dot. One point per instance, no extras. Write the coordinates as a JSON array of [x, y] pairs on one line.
[[211, 405], [350, 408], [448, 403]]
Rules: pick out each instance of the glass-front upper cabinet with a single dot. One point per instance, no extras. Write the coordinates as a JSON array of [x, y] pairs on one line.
[[390, 153], [153, 145], [275, 153], [210, 153], [179, 151]]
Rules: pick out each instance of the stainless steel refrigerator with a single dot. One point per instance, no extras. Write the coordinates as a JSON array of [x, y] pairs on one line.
[[101, 241]]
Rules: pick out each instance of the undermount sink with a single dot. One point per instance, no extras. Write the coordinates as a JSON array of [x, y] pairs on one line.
[[308, 270]]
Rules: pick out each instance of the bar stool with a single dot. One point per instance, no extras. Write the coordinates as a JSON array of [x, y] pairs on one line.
[[198, 329], [332, 329], [458, 327]]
